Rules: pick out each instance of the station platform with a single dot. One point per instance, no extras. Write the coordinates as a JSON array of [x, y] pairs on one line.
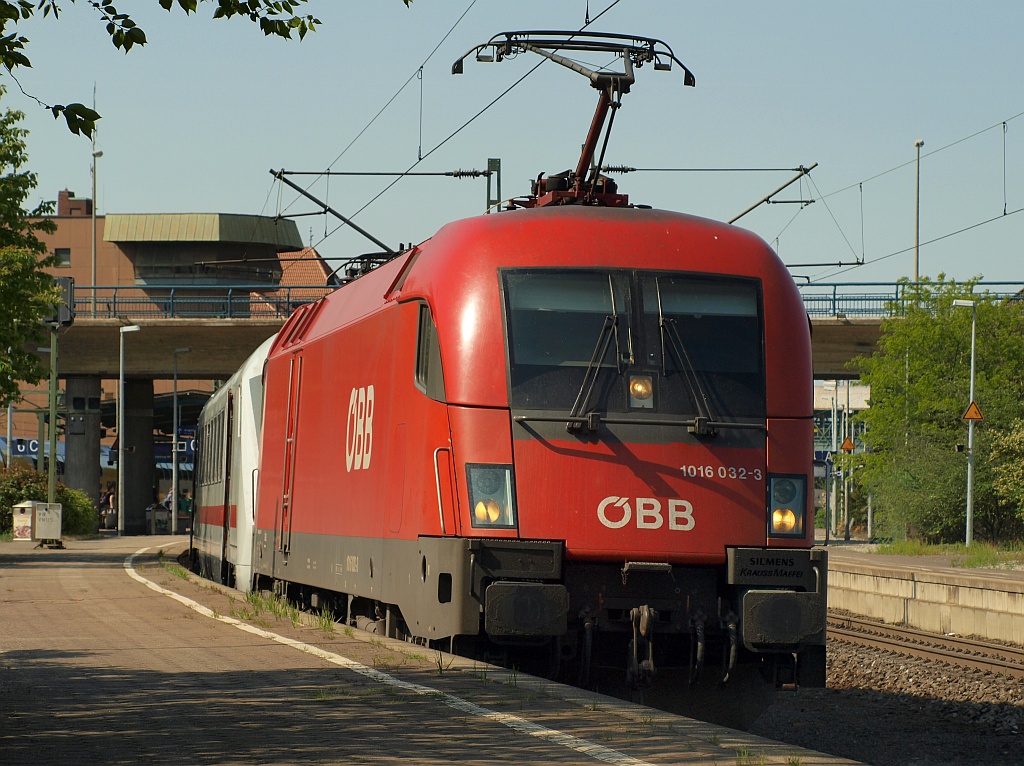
[[112, 654], [932, 593]]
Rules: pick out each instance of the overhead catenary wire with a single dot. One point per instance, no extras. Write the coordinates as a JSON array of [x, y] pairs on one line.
[[404, 85], [1003, 125], [833, 216], [458, 130], [928, 242], [465, 124], [925, 155]]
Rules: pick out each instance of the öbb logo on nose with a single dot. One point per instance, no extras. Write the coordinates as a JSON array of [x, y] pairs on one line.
[[616, 512]]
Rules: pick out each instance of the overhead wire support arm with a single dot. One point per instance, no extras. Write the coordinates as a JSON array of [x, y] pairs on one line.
[[280, 176], [768, 199], [631, 169], [460, 173]]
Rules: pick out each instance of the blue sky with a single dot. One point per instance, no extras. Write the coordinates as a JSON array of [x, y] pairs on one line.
[[193, 121]]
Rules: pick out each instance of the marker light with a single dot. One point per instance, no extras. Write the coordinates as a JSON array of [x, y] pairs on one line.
[[783, 491], [641, 389], [491, 496], [787, 505]]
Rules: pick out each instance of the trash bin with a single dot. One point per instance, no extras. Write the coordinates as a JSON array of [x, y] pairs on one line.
[[47, 519], [158, 519], [22, 512]]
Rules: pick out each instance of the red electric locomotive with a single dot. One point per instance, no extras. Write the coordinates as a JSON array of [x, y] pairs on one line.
[[581, 425]]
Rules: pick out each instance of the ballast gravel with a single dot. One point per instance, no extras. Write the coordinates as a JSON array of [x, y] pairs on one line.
[[889, 710]]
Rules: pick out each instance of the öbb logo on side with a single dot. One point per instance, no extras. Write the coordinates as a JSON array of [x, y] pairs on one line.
[[616, 512], [359, 429]]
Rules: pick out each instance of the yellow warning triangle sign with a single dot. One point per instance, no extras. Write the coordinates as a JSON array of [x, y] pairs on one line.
[[973, 413], [847, 445]]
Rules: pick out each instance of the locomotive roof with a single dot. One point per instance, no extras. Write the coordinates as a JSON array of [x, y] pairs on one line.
[[579, 236]]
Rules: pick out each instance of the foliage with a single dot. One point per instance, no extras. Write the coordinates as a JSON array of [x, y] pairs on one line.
[[1007, 458], [18, 225], [920, 380], [17, 484], [27, 293], [274, 17]]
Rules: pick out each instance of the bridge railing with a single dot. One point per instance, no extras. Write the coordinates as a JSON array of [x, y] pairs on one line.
[[200, 301], [846, 299], [879, 299]]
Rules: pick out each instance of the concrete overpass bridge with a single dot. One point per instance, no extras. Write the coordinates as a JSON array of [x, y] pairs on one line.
[[91, 347]]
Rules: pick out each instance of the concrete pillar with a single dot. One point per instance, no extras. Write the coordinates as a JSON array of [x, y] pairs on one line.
[[82, 435], [138, 460]]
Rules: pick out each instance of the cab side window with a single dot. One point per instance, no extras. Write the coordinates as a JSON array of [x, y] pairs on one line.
[[429, 377]]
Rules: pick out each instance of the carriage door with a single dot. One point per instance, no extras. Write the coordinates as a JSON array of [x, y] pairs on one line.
[[228, 425], [291, 433]]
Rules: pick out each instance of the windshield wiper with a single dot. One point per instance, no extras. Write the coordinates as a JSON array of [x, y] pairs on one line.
[[609, 329], [578, 416], [704, 422]]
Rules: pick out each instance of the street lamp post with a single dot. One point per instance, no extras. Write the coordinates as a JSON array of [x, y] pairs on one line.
[[970, 422], [95, 156], [174, 447], [120, 431]]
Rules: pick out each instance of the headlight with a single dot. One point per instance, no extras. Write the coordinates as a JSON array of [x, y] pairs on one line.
[[490, 496], [641, 389], [787, 505]]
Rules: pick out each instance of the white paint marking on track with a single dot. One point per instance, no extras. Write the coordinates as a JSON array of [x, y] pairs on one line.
[[595, 751]]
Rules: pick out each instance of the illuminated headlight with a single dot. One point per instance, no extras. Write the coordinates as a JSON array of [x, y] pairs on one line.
[[787, 505], [491, 498], [641, 390]]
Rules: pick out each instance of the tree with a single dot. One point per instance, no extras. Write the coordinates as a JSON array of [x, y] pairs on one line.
[[1007, 458], [27, 293], [274, 17], [919, 382]]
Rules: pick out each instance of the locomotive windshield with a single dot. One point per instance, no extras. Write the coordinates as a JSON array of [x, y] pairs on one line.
[[635, 342]]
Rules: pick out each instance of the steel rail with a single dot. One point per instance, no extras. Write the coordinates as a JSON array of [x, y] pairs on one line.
[[963, 652]]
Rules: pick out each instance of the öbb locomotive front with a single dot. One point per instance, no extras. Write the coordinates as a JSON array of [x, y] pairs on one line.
[[551, 426], [582, 427]]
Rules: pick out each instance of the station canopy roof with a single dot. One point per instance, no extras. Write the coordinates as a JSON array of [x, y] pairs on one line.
[[278, 233]]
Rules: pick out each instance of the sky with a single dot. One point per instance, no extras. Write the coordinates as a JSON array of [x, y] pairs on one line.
[[195, 120]]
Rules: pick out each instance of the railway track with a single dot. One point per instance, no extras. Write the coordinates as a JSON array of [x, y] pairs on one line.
[[953, 650]]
